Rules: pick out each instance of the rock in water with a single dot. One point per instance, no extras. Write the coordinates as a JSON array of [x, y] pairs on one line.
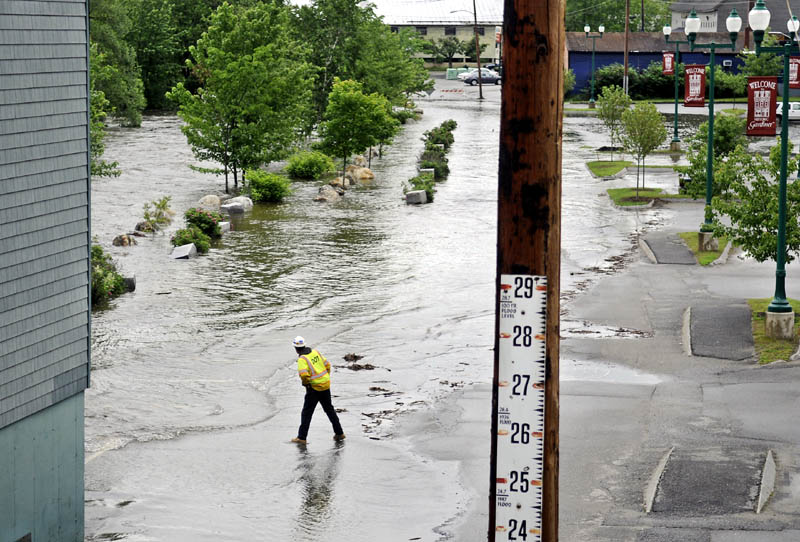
[[184, 252], [232, 208], [124, 240], [246, 202], [327, 193], [210, 202]]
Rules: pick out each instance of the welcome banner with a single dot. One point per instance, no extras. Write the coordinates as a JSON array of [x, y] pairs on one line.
[[762, 99], [695, 86], [794, 72], [668, 64]]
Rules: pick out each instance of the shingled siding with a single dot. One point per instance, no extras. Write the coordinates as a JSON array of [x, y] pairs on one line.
[[44, 205]]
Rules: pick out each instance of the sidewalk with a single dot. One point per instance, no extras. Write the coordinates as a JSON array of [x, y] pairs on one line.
[[696, 429]]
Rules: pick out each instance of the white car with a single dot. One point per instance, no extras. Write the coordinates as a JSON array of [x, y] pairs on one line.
[[794, 111], [464, 75]]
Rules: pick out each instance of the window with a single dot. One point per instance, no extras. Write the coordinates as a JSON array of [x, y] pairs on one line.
[[393, 29], [422, 30], [481, 31], [449, 30]]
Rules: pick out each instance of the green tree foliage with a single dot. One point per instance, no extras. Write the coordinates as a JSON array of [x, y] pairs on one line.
[[468, 48], [611, 13], [444, 49], [115, 71], [97, 129], [309, 165], [765, 63], [155, 37], [353, 120], [347, 40], [254, 89], [642, 132], [751, 204], [386, 63], [729, 133], [107, 283], [569, 81], [611, 104]]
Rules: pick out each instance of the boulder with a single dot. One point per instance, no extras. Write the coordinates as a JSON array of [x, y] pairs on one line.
[[232, 208], [327, 193], [246, 202], [138, 234], [415, 197], [224, 227], [360, 161], [361, 174], [184, 252], [338, 182], [124, 240], [144, 226], [210, 202]]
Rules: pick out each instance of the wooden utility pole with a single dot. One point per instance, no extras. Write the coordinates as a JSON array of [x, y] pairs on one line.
[[524, 500], [625, 53]]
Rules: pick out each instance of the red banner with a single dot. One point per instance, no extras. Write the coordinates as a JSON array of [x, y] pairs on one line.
[[668, 64], [794, 72], [695, 82], [762, 99]]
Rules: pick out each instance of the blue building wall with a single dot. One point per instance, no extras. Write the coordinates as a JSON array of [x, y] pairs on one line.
[[41, 475], [581, 63]]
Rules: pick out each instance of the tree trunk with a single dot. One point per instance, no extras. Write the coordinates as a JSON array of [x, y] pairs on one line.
[[235, 179], [226, 179], [369, 160], [344, 168]]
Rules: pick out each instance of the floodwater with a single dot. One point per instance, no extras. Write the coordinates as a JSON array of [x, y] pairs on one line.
[[194, 393]]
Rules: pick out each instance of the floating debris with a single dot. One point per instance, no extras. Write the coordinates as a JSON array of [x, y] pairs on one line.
[[352, 357]]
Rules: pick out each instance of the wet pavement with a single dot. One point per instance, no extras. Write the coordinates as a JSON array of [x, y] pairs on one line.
[[194, 394]]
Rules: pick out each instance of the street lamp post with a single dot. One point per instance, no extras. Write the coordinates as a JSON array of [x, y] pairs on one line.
[[594, 38], [780, 317], [691, 27], [477, 45], [676, 142]]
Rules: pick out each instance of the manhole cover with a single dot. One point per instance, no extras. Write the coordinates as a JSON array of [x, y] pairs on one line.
[[710, 481]]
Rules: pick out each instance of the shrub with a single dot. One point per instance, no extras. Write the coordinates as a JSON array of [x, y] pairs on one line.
[[107, 283], [268, 187], [449, 125], [569, 81], [309, 165], [423, 182], [157, 214], [404, 114], [206, 221], [192, 234], [440, 168]]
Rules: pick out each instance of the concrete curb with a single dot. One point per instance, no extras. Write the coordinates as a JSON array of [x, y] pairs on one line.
[[767, 482], [652, 484], [633, 207], [647, 250], [686, 331], [723, 258]]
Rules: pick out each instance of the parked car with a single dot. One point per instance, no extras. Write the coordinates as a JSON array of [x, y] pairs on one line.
[[794, 111], [495, 68], [464, 75], [487, 77]]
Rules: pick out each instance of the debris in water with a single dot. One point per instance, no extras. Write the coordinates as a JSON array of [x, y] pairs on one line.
[[360, 367], [352, 357]]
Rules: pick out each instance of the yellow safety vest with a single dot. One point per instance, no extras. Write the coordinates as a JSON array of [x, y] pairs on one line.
[[314, 369]]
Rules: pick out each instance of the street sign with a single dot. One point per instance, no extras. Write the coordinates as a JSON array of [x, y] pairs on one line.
[[520, 392]]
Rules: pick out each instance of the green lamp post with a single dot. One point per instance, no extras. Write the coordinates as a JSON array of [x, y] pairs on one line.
[[780, 307], [676, 142], [691, 27], [594, 37]]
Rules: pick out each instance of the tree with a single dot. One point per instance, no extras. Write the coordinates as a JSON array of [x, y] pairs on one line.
[[611, 103], [468, 48], [729, 133], [751, 204], [354, 121], [444, 49], [155, 37], [643, 131], [254, 89], [611, 13], [116, 73], [97, 128], [763, 64]]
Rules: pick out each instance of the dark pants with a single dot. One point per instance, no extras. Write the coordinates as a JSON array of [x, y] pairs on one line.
[[312, 398]]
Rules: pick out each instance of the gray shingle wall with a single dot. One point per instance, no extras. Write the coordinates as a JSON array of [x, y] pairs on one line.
[[44, 205]]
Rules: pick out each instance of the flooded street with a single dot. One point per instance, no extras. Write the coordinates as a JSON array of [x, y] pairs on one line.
[[194, 392]]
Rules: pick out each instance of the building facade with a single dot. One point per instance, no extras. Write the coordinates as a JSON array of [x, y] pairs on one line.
[[44, 267]]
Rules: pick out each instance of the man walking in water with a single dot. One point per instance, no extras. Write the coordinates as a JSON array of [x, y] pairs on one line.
[[315, 374]]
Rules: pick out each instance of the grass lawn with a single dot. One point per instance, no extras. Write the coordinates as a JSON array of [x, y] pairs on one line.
[[627, 196], [703, 258], [767, 349], [607, 168]]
